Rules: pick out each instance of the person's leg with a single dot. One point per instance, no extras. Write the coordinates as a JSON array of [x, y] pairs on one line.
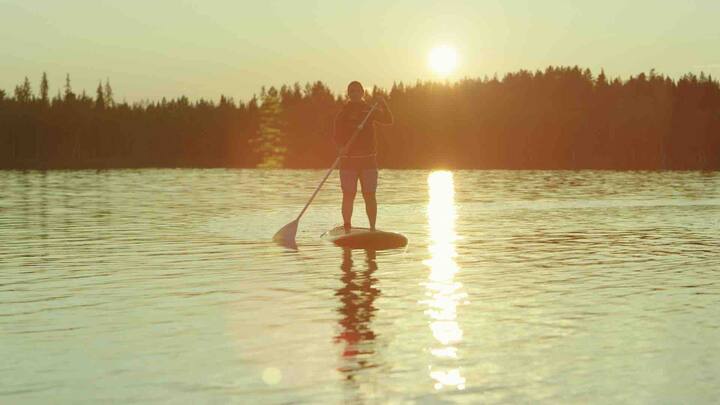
[[348, 183], [347, 210], [371, 208], [368, 180]]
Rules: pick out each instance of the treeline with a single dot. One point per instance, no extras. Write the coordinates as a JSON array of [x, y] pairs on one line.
[[560, 118]]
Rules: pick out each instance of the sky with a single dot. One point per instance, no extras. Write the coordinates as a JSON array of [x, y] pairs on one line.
[[151, 49]]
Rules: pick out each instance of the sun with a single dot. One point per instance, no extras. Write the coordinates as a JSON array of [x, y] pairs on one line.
[[443, 60]]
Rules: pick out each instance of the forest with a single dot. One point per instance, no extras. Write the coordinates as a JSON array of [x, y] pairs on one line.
[[559, 118]]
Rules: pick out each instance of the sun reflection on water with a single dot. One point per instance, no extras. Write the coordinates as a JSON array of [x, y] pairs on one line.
[[443, 293]]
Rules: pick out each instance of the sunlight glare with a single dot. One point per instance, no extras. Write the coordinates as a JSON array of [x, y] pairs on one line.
[[443, 60], [443, 292], [452, 378]]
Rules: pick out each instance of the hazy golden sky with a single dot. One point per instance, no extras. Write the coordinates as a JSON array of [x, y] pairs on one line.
[[155, 48]]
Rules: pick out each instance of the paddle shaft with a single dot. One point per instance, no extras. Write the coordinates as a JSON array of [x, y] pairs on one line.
[[337, 161]]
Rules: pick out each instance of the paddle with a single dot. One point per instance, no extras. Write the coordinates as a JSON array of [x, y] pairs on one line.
[[286, 234]]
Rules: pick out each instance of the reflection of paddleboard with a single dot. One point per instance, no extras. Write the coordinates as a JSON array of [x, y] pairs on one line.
[[364, 238]]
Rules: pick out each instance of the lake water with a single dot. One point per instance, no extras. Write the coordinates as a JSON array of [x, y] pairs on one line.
[[163, 286]]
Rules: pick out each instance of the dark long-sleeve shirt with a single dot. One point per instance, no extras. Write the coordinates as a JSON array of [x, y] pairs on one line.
[[362, 152]]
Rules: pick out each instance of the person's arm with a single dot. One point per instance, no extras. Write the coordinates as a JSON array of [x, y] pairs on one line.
[[384, 115]]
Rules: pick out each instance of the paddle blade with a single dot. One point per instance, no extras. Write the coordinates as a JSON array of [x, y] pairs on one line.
[[286, 235]]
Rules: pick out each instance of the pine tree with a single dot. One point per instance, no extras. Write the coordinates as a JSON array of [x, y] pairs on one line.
[[269, 143], [69, 95], [100, 97], [109, 101], [601, 80], [23, 92], [44, 89]]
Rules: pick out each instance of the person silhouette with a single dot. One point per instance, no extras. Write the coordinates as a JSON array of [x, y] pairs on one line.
[[359, 159]]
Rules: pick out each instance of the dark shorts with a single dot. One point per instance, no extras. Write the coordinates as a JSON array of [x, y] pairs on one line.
[[349, 179]]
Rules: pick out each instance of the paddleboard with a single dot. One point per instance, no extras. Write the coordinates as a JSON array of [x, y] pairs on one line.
[[364, 238]]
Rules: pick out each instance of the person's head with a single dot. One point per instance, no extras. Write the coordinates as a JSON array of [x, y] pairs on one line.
[[355, 91]]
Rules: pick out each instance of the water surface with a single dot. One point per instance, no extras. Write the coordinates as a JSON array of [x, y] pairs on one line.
[[163, 286]]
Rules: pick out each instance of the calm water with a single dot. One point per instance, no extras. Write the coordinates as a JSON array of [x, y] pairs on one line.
[[163, 286]]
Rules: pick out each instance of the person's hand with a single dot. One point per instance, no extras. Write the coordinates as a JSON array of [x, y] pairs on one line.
[[381, 104]]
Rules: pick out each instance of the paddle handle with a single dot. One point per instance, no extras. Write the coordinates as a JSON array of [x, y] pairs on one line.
[[337, 161]]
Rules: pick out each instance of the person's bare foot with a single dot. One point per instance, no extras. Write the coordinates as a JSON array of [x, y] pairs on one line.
[[347, 228]]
